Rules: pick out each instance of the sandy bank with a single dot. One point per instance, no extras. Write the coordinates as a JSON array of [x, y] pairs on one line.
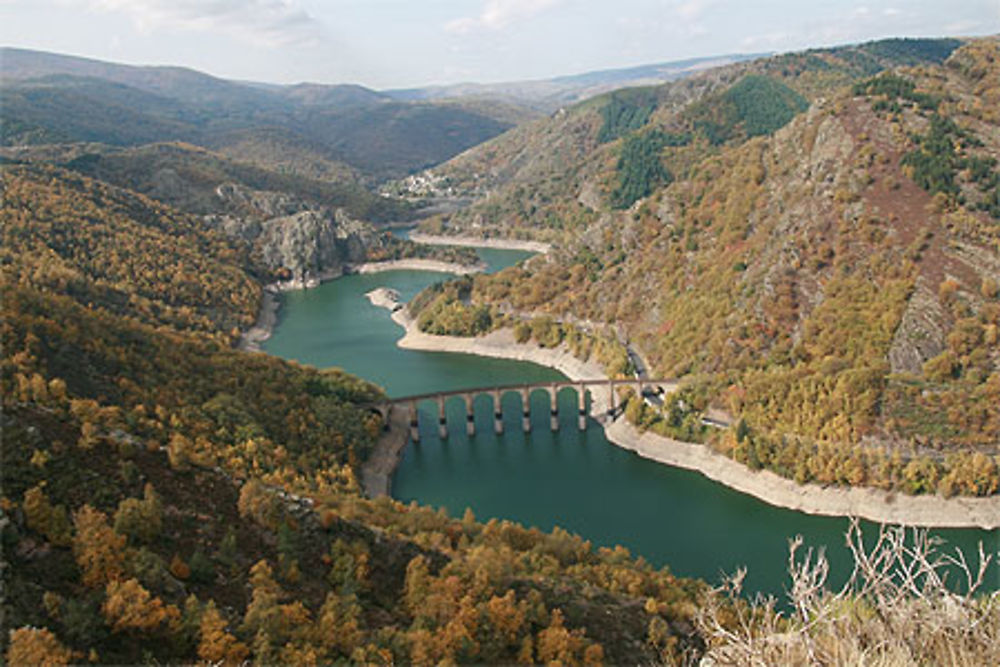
[[474, 242], [873, 504]]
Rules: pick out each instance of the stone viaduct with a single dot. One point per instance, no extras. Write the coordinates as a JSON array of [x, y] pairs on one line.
[[604, 402]]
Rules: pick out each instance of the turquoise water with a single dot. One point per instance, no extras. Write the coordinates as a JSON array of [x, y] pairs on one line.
[[575, 480]]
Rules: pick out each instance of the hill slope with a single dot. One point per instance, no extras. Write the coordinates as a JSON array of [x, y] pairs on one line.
[[53, 98], [549, 178], [833, 283], [167, 497]]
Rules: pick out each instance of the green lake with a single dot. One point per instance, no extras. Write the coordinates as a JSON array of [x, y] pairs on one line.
[[576, 480]]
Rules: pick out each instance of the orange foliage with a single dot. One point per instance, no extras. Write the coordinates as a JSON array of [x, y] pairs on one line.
[[36, 646], [216, 645], [99, 550], [130, 607]]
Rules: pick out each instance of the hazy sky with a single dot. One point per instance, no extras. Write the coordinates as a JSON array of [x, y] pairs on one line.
[[402, 43]]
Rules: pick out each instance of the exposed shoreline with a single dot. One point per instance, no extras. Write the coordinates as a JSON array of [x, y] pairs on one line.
[[267, 318], [476, 242], [416, 264], [267, 315], [865, 502]]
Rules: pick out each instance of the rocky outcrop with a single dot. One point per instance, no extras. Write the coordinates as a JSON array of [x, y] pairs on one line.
[[385, 297], [306, 244], [921, 333], [315, 244]]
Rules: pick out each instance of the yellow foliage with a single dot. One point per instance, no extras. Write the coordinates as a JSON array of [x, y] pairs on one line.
[[130, 607], [216, 645], [36, 646], [99, 550], [179, 568]]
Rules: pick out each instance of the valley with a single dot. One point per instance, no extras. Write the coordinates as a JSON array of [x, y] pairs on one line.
[[806, 244]]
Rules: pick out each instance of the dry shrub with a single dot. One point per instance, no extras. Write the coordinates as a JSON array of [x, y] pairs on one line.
[[895, 609]]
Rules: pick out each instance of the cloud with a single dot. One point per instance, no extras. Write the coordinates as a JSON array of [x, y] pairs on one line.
[[498, 14], [691, 10], [268, 22], [686, 16]]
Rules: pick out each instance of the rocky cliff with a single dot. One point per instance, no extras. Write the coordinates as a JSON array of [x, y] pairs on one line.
[[302, 245]]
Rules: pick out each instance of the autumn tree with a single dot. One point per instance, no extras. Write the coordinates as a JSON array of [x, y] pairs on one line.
[[272, 624], [557, 644], [43, 518], [349, 567], [506, 619], [130, 607], [99, 550], [180, 452], [36, 646], [216, 645], [338, 625], [256, 502], [417, 584]]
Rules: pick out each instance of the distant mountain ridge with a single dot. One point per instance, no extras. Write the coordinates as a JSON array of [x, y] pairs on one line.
[[51, 98], [333, 131], [550, 94], [185, 83], [181, 83]]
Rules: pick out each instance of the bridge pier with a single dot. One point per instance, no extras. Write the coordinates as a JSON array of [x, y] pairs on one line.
[[553, 407], [414, 423], [497, 413], [442, 419], [470, 416], [581, 395], [526, 409], [612, 401]]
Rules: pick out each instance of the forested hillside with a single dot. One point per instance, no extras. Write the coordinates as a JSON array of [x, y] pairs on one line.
[[553, 178], [827, 276], [187, 177], [321, 131], [168, 498]]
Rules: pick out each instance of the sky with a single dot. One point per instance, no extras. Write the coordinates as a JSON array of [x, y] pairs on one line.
[[409, 43]]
